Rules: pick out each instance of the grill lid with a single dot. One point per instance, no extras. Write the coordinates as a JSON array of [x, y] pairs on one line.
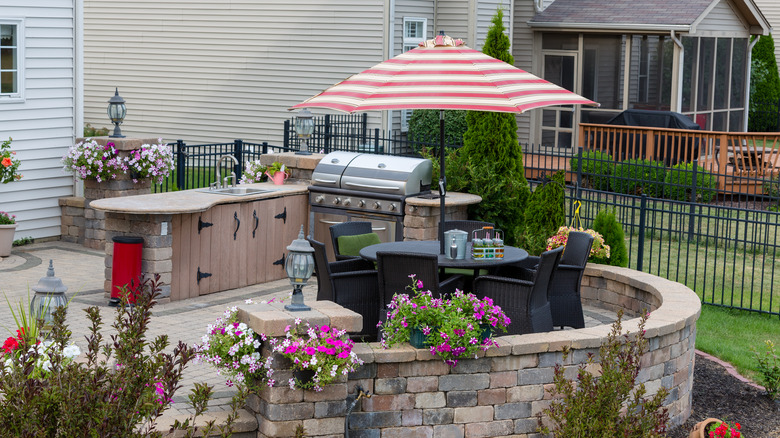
[[374, 173]]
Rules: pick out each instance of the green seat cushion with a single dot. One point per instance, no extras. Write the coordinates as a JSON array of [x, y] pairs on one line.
[[462, 271], [351, 245]]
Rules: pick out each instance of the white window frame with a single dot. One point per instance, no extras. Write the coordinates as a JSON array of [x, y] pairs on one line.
[[18, 96], [409, 43]]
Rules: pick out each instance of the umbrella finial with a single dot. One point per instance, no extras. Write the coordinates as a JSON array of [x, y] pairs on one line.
[[442, 40]]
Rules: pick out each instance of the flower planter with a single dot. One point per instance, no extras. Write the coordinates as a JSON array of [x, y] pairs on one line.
[[700, 429], [303, 378], [6, 239], [418, 339], [487, 330]]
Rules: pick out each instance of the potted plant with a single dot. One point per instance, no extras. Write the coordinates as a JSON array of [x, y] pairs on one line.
[[7, 230], [234, 350], [254, 172], [89, 160], [153, 161], [598, 250], [453, 329], [278, 172], [8, 163], [715, 428], [319, 354]]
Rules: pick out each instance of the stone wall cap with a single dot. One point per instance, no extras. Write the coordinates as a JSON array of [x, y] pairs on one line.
[[72, 201], [451, 200]]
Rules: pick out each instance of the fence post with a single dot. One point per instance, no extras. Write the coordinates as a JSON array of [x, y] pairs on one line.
[[364, 125], [181, 163], [692, 209], [376, 140], [641, 243], [327, 134], [265, 147], [579, 172], [286, 135], [238, 152]]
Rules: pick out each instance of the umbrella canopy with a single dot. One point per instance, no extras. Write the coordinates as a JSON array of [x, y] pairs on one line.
[[443, 74]]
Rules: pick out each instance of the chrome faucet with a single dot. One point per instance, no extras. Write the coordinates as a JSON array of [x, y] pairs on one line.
[[222, 183]]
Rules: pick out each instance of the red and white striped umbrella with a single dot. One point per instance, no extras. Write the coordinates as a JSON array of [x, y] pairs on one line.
[[443, 74]]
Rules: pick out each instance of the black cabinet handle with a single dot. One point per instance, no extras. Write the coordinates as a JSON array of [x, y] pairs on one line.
[[238, 224], [202, 275], [202, 225], [280, 261], [282, 215], [257, 222]]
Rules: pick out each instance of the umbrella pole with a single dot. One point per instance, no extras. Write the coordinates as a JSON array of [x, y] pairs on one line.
[[442, 181]]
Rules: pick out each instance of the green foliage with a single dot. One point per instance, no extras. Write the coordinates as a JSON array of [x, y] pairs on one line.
[[597, 169], [90, 131], [769, 367], [23, 241], [424, 127], [678, 183], [608, 226], [121, 388], [544, 214], [772, 190], [764, 85], [609, 405], [639, 176]]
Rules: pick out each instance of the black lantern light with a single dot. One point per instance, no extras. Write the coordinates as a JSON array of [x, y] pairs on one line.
[[116, 112], [304, 127], [49, 294], [299, 266]]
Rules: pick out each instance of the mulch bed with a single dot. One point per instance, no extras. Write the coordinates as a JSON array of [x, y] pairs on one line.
[[718, 394]]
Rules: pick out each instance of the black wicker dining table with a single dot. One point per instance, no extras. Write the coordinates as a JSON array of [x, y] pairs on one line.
[[511, 254]]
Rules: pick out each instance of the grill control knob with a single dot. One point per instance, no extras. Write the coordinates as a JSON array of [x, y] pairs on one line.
[[337, 200], [377, 205], [393, 207], [361, 203], [319, 199], [348, 201]]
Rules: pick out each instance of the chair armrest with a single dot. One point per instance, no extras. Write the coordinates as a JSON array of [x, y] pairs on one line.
[[505, 280], [345, 257], [448, 286], [352, 264]]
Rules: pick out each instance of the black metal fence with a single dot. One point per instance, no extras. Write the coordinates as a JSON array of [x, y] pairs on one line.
[[764, 115], [720, 242]]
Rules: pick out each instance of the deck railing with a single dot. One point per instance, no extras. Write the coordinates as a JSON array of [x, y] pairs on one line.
[[727, 154]]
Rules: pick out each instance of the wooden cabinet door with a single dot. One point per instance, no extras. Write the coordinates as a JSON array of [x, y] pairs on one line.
[[253, 234]]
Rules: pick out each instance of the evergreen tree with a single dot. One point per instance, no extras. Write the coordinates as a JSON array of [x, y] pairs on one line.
[[607, 225], [764, 86], [544, 213], [490, 148]]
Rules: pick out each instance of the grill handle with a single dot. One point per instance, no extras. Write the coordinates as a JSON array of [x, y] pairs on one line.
[[323, 221], [325, 181], [369, 186]]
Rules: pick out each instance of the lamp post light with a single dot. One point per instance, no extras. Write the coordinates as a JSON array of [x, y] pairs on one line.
[[49, 294], [299, 266], [304, 127], [116, 112]]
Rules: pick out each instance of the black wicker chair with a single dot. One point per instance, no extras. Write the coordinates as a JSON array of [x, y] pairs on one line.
[[524, 302], [347, 229], [394, 269], [467, 226], [350, 283], [564, 292]]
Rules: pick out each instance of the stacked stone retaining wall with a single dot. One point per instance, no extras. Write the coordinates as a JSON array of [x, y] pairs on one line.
[[499, 394]]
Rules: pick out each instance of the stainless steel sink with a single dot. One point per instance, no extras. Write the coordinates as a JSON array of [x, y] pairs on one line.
[[235, 191]]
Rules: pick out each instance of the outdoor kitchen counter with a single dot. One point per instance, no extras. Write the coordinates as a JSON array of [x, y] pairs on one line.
[[421, 219], [190, 201], [201, 243]]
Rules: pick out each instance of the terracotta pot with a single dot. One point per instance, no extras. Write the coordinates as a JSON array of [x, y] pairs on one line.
[[700, 429], [6, 239]]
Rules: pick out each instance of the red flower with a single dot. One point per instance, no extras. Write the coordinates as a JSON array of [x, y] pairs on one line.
[[10, 344], [7, 162]]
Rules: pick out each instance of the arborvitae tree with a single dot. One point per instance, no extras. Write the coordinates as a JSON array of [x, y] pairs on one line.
[[490, 147], [764, 86], [608, 226], [544, 213]]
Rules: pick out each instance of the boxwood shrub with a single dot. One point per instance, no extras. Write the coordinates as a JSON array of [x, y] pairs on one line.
[[679, 181], [597, 169], [639, 176]]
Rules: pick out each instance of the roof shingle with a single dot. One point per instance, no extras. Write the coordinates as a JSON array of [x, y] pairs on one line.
[[656, 12]]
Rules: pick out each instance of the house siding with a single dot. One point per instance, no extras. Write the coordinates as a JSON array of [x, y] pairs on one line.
[[207, 71], [486, 9], [771, 10], [455, 18], [43, 124], [523, 51], [722, 21]]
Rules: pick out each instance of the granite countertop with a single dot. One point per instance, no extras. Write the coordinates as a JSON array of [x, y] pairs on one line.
[[450, 200], [190, 201]]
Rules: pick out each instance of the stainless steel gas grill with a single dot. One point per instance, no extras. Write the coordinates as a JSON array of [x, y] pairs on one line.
[[350, 186]]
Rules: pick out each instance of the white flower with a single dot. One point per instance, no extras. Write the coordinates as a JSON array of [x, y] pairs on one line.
[[71, 351], [242, 327]]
